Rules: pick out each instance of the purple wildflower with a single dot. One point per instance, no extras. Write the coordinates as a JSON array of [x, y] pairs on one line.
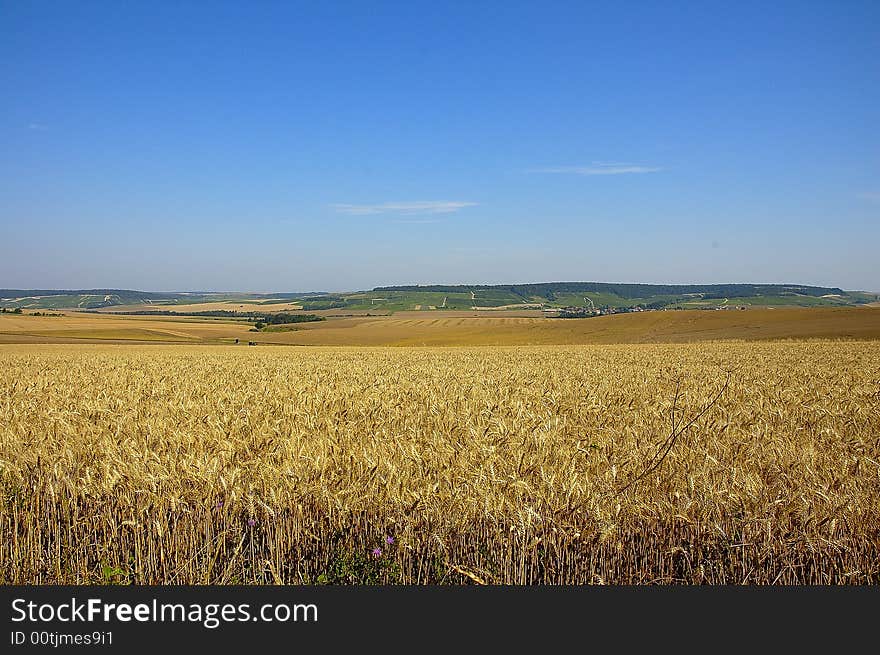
[[389, 540], [252, 522], [377, 552]]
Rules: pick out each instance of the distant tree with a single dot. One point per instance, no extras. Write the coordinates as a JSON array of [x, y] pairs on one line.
[[17, 310], [259, 325]]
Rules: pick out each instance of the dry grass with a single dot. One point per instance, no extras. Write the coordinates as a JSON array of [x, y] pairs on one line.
[[185, 464], [280, 306], [457, 328], [649, 327], [85, 328]]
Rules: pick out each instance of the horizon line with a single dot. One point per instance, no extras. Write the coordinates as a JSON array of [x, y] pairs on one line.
[[84, 290]]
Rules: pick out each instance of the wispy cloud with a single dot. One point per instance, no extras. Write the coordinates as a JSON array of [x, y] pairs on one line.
[[415, 221], [37, 126], [873, 196], [411, 207], [600, 168]]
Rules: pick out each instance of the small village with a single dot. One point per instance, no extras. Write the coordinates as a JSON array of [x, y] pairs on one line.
[[587, 312]]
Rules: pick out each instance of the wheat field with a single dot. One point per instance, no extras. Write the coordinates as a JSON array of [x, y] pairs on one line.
[[715, 462], [443, 329]]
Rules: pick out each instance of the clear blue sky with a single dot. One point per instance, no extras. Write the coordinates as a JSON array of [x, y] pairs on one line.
[[330, 146]]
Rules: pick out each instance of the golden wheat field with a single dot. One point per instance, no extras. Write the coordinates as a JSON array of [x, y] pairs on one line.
[[715, 462]]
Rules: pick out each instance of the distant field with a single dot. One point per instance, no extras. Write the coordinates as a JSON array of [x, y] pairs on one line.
[[792, 300], [458, 328], [78, 328], [434, 298], [240, 306], [648, 327]]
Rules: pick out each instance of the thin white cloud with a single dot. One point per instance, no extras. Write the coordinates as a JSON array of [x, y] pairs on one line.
[[411, 207], [873, 196], [415, 221], [37, 126], [600, 168]]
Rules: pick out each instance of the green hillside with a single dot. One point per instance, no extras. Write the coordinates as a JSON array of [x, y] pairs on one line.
[[586, 295], [649, 296], [85, 299]]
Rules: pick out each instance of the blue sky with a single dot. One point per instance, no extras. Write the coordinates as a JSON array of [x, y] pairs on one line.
[[330, 146]]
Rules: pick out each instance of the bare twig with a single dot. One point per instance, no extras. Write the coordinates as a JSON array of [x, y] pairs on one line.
[[667, 445]]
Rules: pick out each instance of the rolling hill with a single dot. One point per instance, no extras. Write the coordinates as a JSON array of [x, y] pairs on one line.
[[577, 296]]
